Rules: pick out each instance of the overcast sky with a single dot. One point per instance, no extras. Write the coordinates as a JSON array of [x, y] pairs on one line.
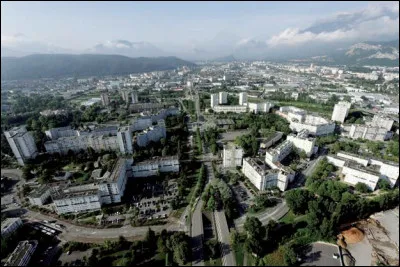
[[81, 25]]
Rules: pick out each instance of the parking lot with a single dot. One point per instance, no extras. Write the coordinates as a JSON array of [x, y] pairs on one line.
[[321, 254], [157, 206]]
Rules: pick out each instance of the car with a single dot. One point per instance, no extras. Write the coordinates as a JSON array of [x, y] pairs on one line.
[[335, 256]]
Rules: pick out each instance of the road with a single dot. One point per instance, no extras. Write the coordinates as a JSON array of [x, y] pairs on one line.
[[197, 235], [93, 235], [280, 210]]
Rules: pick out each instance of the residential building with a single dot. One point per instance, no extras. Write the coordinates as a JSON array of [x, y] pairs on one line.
[[232, 156], [55, 133], [9, 226], [260, 107], [105, 99], [22, 144], [369, 171], [214, 100], [153, 133], [75, 200], [268, 142], [382, 122], [135, 98], [124, 137], [22, 254], [303, 142], [235, 109], [154, 166], [279, 153], [125, 95], [223, 98], [243, 99], [39, 196], [340, 111], [262, 176], [368, 132], [112, 189]]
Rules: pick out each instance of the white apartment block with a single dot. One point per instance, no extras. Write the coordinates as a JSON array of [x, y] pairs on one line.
[[232, 156], [382, 122], [299, 121], [154, 166], [56, 133], [124, 137], [214, 100], [105, 99], [279, 153], [303, 142], [263, 177], [39, 196], [22, 144], [22, 253], [125, 95], [223, 98], [266, 143], [340, 111], [369, 132], [243, 99], [112, 189], [9, 226], [135, 98], [68, 201], [235, 109], [365, 170], [153, 133], [260, 107]]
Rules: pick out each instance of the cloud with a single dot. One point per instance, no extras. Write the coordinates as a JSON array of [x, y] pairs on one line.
[[10, 40], [377, 20]]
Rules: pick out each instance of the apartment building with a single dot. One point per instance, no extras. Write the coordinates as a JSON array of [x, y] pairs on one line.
[[135, 98], [340, 111], [154, 166], [369, 132], [279, 153], [356, 169], [262, 176], [39, 196], [223, 98], [243, 99], [105, 99], [22, 144], [112, 189], [214, 100], [153, 133], [260, 107], [76, 200], [303, 142], [235, 109], [124, 138], [22, 254], [9, 226], [232, 156]]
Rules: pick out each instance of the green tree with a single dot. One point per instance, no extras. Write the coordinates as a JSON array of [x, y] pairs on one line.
[[297, 200], [254, 228], [362, 188]]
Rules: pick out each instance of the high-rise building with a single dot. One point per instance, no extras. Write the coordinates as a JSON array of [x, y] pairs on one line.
[[233, 156], [135, 98], [105, 99], [243, 98], [125, 95], [223, 97], [214, 100], [124, 137], [22, 144], [22, 253], [340, 111]]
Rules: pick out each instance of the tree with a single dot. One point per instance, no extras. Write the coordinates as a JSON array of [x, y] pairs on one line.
[[297, 200], [383, 184], [235, 239], [254, 228], [150, 238], [362, 188], [289, 255], [211, 203]]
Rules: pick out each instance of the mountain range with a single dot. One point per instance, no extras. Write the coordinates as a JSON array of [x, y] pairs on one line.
[[64, 65]]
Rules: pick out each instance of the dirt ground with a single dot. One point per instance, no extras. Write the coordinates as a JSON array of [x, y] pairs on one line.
[[353, 235]]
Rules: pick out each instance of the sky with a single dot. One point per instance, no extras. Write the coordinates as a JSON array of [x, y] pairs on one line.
[[81, 25]]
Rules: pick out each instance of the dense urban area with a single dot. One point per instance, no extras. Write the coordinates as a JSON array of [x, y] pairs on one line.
[[234, 164]]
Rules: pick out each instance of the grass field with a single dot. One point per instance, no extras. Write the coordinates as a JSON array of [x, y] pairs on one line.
[[275, 258], [290, 217], [239, 255], [216, 262]]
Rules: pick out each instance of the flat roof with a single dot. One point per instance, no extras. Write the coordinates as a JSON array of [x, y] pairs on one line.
[[156, 159], [86, 192], [19, 252], [39, 191], [7, 222]]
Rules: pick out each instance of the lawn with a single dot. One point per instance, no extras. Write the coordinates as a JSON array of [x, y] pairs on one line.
[[290, 217], [239, 254], [214, 262], [275, 258]]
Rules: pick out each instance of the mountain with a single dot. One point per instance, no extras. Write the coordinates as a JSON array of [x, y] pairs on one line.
[[127, 48], [62, 65]]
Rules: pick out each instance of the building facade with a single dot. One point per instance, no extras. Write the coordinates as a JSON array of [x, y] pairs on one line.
[[243, 99], [22, 254], [234, 109], [39, 196], [303, 142], [214, 100], [223, 98], [9, 226], [22, 144], [155, 166], [340, 111]]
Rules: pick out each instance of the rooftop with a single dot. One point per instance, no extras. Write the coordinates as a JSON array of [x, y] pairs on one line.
[[63, 194], [19, 252], [156, 160], [39, 191], [7, 222]]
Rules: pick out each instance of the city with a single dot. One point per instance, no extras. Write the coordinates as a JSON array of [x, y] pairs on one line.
[[205, 162]]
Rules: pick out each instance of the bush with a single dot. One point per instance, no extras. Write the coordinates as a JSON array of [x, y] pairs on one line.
[[362, 188]]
